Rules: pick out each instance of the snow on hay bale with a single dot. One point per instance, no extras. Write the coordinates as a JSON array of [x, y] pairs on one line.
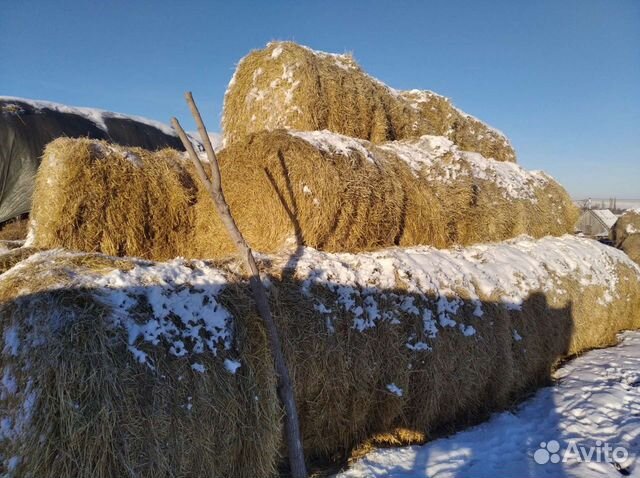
[[287, 85], [320, 189], [118, 365], [625, 234]]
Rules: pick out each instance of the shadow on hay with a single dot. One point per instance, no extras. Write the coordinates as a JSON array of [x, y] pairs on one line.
[[104, 414], [100, 412], [345, 406], [342, 375]]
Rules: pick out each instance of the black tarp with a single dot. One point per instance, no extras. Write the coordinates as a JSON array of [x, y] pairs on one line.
[[26, 128]]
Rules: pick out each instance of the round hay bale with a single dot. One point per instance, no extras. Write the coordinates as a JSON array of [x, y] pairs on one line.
[[625, 234], [338, 194], [631, 247], [430, 341], [286, 85], [287, 189]]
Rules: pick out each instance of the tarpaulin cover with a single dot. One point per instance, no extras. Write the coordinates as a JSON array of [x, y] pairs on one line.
[[27, 126]]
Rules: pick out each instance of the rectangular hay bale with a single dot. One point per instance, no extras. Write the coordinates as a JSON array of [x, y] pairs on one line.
[[112, 366]]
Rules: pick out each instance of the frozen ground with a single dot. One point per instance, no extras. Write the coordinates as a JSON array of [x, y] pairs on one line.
[[594, 407]]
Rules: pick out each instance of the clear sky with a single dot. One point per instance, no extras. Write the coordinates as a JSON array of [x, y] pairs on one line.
[[560, 77]]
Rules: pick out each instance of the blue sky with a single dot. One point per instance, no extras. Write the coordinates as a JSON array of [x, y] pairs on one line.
[[560, 77]]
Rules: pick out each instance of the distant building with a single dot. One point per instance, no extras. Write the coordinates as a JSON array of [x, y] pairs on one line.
[[596, 223]]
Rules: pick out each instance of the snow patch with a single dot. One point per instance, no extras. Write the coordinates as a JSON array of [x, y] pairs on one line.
[[96, 116], [277, 51], [232, 365], [334, 143], [439, 159], [393, 388], [508, 272]]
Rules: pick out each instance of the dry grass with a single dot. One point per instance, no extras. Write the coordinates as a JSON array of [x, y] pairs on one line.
[[99, 414], [305, 90], [110, 416], [92, 196], [282, 191], [625, 235], [14, 230]]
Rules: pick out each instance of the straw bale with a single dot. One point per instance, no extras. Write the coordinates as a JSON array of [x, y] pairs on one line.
[[286, 85], [287, 189], [386, 347]]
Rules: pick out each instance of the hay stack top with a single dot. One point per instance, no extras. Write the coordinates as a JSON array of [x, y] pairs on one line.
[[286, 85]]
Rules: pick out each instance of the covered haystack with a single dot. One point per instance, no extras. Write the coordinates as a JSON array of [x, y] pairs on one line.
[[286, 188], [286, 85], [120, 367]]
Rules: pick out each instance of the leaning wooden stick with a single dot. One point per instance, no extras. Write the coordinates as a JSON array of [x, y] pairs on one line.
[[214, 188]]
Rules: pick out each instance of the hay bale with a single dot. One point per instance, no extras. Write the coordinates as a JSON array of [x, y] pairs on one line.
[[631, 247], [460, 332], [93, 196], [26, 126], [286, 85], [287, 188], [392, 345], [625, 234], [335, 193], [116, 367], [627, 225]]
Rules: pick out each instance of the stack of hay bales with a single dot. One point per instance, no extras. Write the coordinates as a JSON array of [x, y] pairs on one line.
[[121, 367], [286, 85], [318, 189], [443, 182], [625, 234]]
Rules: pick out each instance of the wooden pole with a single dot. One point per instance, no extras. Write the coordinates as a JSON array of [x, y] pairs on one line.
[[214, 188]]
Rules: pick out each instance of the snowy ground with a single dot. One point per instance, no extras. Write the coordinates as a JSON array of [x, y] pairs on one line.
[[594, 407]]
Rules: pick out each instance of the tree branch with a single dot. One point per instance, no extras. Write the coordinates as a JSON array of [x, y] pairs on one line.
[[214, 188]]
